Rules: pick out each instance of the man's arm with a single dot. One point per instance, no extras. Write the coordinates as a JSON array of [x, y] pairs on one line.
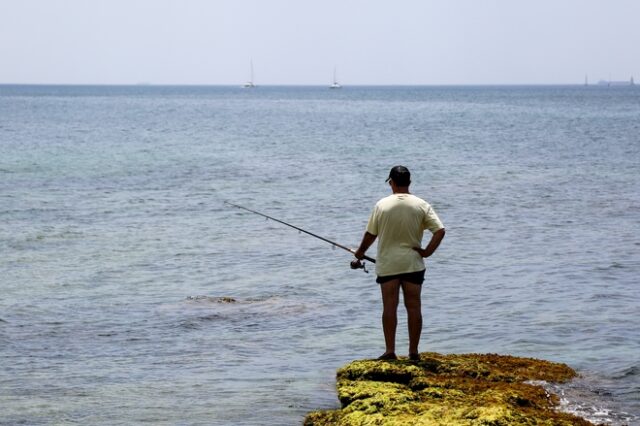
[[436, 238], [367, 240]]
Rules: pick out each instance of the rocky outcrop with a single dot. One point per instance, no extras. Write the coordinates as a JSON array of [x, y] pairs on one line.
[[470, 389]]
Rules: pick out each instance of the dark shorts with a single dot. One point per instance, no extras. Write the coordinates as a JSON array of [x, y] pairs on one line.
[[411, 277]]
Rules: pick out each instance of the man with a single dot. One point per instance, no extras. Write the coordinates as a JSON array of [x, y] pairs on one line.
[[398, 221]]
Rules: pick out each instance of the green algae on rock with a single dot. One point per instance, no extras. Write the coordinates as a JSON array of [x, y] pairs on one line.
[[469, 389]]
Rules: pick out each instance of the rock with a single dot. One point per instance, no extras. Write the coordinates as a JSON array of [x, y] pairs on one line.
[[469, 389], [223, 299]]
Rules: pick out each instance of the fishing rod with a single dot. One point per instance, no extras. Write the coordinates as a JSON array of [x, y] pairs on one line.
[[354, 265]]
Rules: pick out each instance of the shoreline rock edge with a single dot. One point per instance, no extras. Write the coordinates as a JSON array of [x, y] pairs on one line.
[[453, 389]]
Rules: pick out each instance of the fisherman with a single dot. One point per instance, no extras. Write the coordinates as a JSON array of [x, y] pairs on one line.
[[399, 221]]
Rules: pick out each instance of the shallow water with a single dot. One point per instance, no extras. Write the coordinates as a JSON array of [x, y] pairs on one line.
[[116, 244]]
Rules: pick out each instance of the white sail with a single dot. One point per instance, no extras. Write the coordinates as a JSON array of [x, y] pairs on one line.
[[335, 84], [250, 84]]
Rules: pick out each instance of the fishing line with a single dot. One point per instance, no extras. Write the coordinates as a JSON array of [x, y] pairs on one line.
[[333, 243]]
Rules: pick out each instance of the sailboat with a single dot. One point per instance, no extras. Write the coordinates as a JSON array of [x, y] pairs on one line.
[[249, 84], [335, 84]]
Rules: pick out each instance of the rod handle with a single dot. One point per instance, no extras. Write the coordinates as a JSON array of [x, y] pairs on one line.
[[370, 259]]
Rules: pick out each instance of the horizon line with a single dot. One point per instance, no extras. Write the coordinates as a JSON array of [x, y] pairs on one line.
[[145, 84]]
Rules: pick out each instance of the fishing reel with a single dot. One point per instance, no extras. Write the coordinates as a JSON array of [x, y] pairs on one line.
[[357, 264]]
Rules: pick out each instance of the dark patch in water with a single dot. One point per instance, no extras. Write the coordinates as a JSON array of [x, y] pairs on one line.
[[223, 299], [190, 325], [211, 317], [634, 370], [614, 265], [196, 323]]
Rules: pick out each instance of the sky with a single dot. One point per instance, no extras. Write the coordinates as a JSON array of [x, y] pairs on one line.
[[301, 42]]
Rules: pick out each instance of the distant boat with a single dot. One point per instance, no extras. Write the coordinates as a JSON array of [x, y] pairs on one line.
[[335, 84], [249, 84]]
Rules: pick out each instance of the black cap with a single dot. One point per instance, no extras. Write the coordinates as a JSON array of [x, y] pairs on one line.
[[400, 175]]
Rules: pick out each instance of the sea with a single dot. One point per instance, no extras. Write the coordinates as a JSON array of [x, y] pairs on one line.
[[131, 293]]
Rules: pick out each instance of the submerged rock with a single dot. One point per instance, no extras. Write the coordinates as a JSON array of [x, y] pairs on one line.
[[223, 299], [470, 389]]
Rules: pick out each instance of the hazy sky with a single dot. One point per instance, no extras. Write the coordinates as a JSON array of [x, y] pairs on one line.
[[301, 41]]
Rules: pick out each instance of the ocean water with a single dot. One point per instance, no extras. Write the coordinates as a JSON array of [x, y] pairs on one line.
[[116, 247]]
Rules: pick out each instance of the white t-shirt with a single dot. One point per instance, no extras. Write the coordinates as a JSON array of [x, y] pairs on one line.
[[399, 221]]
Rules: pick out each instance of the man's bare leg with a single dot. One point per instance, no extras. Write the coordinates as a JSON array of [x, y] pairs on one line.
[[411, 293], [390, 297]]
